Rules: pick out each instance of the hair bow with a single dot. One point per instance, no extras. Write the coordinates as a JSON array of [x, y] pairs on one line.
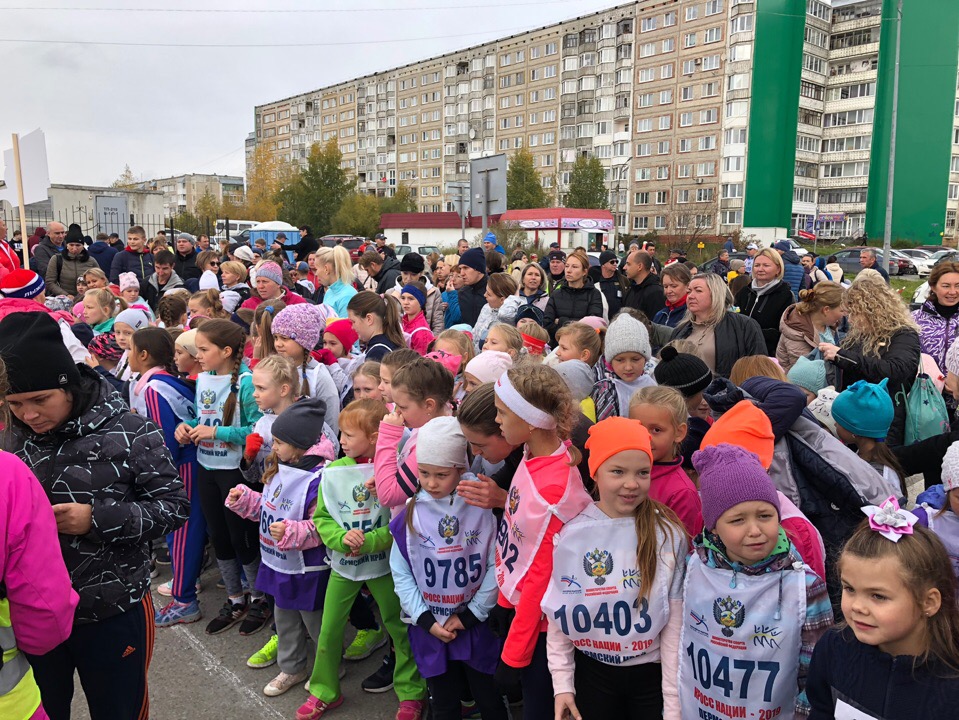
[[889, 520]]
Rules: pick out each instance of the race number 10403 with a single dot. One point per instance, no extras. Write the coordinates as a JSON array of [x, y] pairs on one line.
[[723, 679]]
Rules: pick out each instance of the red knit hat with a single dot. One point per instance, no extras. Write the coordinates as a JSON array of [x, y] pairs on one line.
[[748, 427], [343, 331], [21, 284]]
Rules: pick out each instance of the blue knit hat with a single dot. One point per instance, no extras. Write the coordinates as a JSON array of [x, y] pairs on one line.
[[864, 409], [808, 374], [474, 258], [411, 289]]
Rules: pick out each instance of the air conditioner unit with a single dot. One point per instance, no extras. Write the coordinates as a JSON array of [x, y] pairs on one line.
[[699, 181], [698, 61]]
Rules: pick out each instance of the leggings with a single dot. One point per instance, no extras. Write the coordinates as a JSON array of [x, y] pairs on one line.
[[457, 682], [631, 692], [233, 537], [538, 685]]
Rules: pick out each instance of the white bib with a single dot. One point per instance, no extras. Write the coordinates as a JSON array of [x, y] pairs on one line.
[[946, 527], [212, 392], [448, 547], [524, 524], [285, 499], [593, 594], [354, 507], [737, 660]]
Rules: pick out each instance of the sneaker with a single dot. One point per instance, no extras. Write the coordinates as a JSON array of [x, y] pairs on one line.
[[162, 554], [315, 708], [365, 644], [265, 656], [283, 682], [154, 570], [410, 709], [177, 612], [341, 673], [469, 710], [382, 680], [166, 589], [230, 614], [257, 617]]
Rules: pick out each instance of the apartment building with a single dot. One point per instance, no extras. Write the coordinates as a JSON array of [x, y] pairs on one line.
[[181, 193], [707, 114]]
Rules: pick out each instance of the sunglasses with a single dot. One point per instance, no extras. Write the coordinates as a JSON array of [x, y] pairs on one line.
[[213, 263]]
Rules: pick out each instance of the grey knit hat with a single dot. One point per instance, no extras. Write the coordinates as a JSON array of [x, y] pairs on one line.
[[441, 442], [579, 378], [627, 334], [301, 424]]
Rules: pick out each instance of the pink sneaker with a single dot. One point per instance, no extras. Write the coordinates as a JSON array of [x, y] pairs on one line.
[[410, 709], [315, 708]]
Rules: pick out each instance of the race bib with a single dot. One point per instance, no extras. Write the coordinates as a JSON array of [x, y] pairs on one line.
[[353, 506]]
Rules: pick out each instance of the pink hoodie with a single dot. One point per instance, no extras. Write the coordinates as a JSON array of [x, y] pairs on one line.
[[672, 487], [42, 600]]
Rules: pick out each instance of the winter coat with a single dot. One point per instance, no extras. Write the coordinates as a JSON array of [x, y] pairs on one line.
[[567, 304], [793, 274], [899, 362], [736, 336], [514, 303], [42, 253], [435, 309], [151, 291], [140, 264], [387, 276], [63, 272], [117, 462], [185, 265], [797, 337], [614, 289], [472, 299], [670, 316], [452, 315], [487, 318], [337, 296], [287, 296], [646, 296], [9, 258], [103, 254], [767, 309], [419, 333], [936, 332]]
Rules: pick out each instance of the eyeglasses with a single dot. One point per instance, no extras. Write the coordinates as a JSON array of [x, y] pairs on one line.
[[213, 263]]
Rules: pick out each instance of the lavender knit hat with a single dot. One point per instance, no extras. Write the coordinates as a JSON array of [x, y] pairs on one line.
[[270, 271], [729, 475], [301, 323]]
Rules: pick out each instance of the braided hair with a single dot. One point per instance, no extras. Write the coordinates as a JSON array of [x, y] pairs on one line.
[[225, 334]]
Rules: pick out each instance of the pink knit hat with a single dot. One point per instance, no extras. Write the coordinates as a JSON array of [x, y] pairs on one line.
[[489, 365], [301, 323]]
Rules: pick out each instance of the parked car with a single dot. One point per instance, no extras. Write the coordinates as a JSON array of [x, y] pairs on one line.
[[795, 246], [922, 259], [848, 260], [945, 255], [355, 245], [906, 264]]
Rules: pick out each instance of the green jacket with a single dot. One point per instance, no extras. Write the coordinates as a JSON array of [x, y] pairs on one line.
[[332, 533]]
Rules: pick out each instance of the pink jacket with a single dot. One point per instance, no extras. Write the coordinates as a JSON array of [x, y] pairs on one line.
[[42, 600], [803, 535], [672, 487], [289, 297], [299, 535], [420, 333], [395, 471]]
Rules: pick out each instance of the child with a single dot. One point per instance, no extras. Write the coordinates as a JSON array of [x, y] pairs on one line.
[[262, 329], [172, 311], [863, 413], [275, 385], [297, 329], [206, 304], [578, 341], [535, 410], [184, 355], [100, 307], [627, 351], [357, 556], [376, 322], [628, 533], [485, 367], [104, 356], [294, 568], [413, 300], [897, 655], [945, 522], [366, 382], [688, 374], [167, 400], [226, 413], [124, 325], [808, 375], [302, 278], [535, 339], [504, 338], [130, 292], [339, 338], [450, 639], [458, 343], [499, 286], [662, 411], [388, 367], [748, 599]]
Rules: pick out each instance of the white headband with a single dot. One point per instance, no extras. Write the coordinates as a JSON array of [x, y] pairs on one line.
[[521, 406]]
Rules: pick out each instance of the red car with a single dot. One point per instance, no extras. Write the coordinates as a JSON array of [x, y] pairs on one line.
[[355, 245]]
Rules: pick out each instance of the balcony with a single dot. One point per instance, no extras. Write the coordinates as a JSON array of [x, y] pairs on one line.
[[622, 113]]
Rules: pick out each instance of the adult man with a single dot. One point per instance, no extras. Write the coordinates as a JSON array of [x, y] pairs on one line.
[[555, 269], [472, 295], [868, 260], [184, 264], [163, 280], [676, 255], [302, 249], [610, 281], [102, 252], [135, 258], [544, 263], [792, 268], [51, 245], [382, 248], [116, 243], [813, 273], [383, 270], [728, 246], [65, 268], [491, 243], [9, 261], [203, 243], [751, 251], [462, 246], [651, 249], [646, 293]]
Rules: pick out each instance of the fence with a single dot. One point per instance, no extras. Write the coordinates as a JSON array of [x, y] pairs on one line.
[[91, 224]]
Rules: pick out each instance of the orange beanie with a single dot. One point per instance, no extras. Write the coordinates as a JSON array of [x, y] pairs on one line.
[[614, 435], [748, 427]]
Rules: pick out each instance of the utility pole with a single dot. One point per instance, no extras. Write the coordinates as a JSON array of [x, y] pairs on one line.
[[891, 174]]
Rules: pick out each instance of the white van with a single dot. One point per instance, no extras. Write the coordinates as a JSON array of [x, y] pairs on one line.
[[236, 227]]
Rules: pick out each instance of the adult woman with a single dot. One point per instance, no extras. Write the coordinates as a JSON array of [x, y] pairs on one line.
[[883, 342], [96, 279], [517, 264], [938, 318], [67, 266], [269, 286], [334, 271], [675, 279], [812, 320], [766, 298], [531, 293], [721, 337], [575, 298], [209, 264], [114, 489]]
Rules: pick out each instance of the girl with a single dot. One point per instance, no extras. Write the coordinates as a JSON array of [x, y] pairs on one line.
[[206, 304], [262, 329], [499, 286], [358, 556], [485, 367], [100, 307], [130, 292], [376, 322], [388, 367], [578, 341], [168, 400], [294, 569], [945, 522], [863, 413], [627, 351], [104, 356], [748, 599], [458, 343], [504, 338], [124, 325], [493, 459], [413, 300], [297, 329], [662, 411], [535, 339], [275, 384], [172, 311], [366, 382], [234, 274], [687, 373], [627, 532], [534, 409], [226, 413], [209, 263], [339, 338], [755, 366], [184, 355], [450, 639], [897, 655]]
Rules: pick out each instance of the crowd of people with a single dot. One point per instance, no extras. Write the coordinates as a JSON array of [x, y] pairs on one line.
[[651, 489]]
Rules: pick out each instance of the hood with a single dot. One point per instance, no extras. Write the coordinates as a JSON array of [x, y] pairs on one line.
[[82, 257], [795, 324], [834, 269], [388, 264], [175, 281], [711, 551], [100, 404], [791, 257], [99, 247], [647, 281]]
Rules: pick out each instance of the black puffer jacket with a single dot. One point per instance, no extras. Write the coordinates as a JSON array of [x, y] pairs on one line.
[[472, 299], [766, 309], [736, 336], [116, 461], [387, 276], [567, 304]]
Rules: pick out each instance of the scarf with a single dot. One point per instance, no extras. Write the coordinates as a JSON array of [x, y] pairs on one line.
[[713, 543], [678, 303], [760, 291]]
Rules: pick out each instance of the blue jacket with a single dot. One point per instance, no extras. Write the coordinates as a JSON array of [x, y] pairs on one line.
[[794, 273], [452, 316], [103, 254], [140, 264]]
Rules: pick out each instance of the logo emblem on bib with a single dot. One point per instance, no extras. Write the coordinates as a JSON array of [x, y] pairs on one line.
[[449, 528], [207, 398], [361, 494], [513, 500], [473, 537], [277, 491], [598, 564], [729, 613]]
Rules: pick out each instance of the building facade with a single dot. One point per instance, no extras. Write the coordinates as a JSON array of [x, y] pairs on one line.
[[181, 193], [708, 115]]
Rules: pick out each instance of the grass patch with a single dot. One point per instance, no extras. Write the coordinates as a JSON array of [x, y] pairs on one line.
[[906, 288]]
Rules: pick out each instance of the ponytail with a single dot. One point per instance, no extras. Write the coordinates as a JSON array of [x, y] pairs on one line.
[[386, 309]]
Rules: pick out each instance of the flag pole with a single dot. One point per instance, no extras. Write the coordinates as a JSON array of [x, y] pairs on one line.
[[23, 212]]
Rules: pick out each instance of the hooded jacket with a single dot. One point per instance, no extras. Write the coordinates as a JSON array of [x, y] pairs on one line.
[[567, 304], [646, 296], [937, 331], [103, 254], [796, 335], [793, 273], [766, 306], [388, 275], [127, 260], [114, 460], [152, 292], [63, 271], [44, 250]]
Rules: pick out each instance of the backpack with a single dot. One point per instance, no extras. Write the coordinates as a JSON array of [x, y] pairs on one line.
[[926, 413]]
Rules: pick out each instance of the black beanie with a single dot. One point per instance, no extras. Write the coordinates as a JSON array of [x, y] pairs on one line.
[[301, 424], [685, 372], [412, 262], [36, 358]]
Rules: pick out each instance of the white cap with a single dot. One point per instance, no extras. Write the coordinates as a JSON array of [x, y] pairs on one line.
[[950, 468], [441, 442]]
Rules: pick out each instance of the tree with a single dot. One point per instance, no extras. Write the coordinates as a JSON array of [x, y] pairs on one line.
[[208, 209], [264, 179], [126, 180], [359, 214], [314, 194], [688, 224], [402, 202], [587, 187], [185, 221], [524, 186]]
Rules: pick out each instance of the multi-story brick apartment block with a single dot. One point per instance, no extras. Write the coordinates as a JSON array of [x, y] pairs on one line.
[[723, 114]]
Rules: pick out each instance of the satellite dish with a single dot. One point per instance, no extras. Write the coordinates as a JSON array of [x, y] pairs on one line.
[[472, 133]]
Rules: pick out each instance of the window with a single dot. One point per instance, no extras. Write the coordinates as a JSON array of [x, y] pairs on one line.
[[710, 89], [843, 196], [643, 174], [743, 51], [669, 19], [734, 163], [810, 90], [713, 35], [666, 71], [820, 9], [660, 222], [850, 117], [738, 108], [954, 165], [686, 93], [706, 169], [648, 24], [708, 116], [689, 67], [662, 172], [711, 62], [620, 149], [813, 64], [704, 195], [689, 40], [732, 217], [645, 100], [549, 138], [732, 190], [549, 71], [682, 196], [807, 143], [570, 64], [551, 48], [738, 81], [647, 49], [665, 97], [804, 194], [641, 198], [643, 150], [707, 142], [850, 169], [647, 75], [845, 92], [816, 37], [853, 39], [953, 191], [669, 44], [684, 171], [640, 223], [644, 125], [665, 122], [741, 23], [604, 151], [663, 147], [549, 116], [662, 197], [692, 13], [685, 119], [714, 7]]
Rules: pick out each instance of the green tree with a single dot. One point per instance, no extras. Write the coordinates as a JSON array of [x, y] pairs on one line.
[[186, 221], [314, 194], [126, 180], [402, 202], [208, 209], [587, 188], [524, 186], [264, 180], [359, 214]]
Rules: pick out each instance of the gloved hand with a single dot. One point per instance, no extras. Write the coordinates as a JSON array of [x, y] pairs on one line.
[[254, 441], [325, 356], [507, 679], [500, 618]]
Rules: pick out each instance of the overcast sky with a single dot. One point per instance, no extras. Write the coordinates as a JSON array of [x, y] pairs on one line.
[[167, 110]]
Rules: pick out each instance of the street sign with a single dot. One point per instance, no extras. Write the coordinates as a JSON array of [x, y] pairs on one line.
[[806, 235], [488, 185]]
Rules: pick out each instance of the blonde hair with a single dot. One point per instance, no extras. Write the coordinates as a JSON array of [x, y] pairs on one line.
[[262, 328], [722, 298], [876, 313], [465, 346], [776, 258], [584, 337], [339, 258], [666, 397], [210, 299], [281, 370], [370, 369], [236, 268], [511, 336], [107, 300], [543, 388], [825, 294], [755, 366], [97, 273]]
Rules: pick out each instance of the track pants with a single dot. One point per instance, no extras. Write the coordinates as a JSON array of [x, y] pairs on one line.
[[186, 543]]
